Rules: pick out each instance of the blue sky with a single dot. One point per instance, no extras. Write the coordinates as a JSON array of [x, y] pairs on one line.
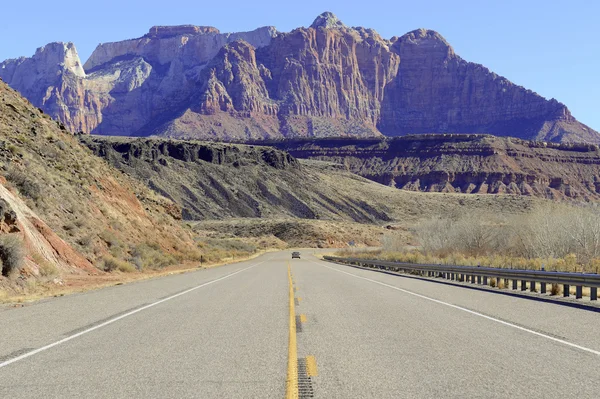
[[550, 47]]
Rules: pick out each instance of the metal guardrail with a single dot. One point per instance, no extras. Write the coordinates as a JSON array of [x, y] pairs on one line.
[[481, 275]]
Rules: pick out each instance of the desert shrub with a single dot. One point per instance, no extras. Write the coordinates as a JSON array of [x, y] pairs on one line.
[[232, 245], [110, 238], [472, 234], [47, 269], [85, 241], [11, 253], [559, 236], [111, 264], [24, 184], [15, 150], [151, 256]]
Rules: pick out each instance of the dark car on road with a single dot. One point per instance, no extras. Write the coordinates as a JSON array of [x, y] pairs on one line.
[[296, 255]]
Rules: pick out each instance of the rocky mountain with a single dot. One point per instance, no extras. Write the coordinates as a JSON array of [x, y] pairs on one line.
[[478, 164], [326, 80]]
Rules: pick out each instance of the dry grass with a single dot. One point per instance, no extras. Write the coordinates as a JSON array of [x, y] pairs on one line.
[[498, 261], [46, 268], [37, 289], [553, 237]]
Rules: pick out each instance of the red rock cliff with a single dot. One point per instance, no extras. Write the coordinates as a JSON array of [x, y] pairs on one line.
[[324, 80]]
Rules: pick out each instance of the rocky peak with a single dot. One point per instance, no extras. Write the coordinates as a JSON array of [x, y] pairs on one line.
[[327, 20], [46, 67], [63, 55], [426, 41]]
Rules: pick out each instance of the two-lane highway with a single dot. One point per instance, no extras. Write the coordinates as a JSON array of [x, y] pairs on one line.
[[224, 333]]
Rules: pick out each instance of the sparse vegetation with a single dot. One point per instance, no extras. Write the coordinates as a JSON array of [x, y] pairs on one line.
[[151, 256], [46, 268], [11, 253], [111, 264], [554, 237], [26, 186]]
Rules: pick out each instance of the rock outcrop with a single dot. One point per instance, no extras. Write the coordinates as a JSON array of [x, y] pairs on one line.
[[322, 81], [473, 164]]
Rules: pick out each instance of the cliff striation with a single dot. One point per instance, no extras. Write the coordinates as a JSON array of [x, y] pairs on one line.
[[326, 80], [473, 164]]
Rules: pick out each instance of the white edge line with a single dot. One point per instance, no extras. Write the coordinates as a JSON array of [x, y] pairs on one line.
[[583, 348], [79, 334]]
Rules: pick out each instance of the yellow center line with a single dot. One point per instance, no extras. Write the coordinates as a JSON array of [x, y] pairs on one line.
[[291, 390], [311, 366]]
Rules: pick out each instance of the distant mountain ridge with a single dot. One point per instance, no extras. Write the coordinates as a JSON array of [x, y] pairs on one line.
[[326, 80]]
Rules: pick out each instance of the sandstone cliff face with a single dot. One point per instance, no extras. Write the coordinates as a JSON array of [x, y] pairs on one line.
[[475, 164], [322, 81], [329, 81], [437, 91]]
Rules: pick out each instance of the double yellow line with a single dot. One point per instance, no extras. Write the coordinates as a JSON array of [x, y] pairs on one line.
[[291, 390]]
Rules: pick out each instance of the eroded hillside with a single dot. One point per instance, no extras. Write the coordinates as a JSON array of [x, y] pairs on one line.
[[73, 211], [475, 164], [222, 181]]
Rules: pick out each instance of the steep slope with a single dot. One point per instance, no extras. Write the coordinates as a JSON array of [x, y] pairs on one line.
[[437, 91], [465, 163], [326, 80], [224, 181], [72, 209]]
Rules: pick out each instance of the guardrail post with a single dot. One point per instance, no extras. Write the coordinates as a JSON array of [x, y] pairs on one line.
[[440, 271]]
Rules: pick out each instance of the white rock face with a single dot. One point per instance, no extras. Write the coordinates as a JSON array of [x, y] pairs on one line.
[[127, 83], [189, 47], [48, 63]]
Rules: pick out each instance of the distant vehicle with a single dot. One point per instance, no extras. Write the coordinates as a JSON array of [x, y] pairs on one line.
[[295, 255]]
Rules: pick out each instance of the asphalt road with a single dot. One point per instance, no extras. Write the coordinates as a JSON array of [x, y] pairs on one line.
[[223, 333]]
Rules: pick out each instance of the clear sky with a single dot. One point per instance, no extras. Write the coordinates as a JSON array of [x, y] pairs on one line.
[[551, 47]]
